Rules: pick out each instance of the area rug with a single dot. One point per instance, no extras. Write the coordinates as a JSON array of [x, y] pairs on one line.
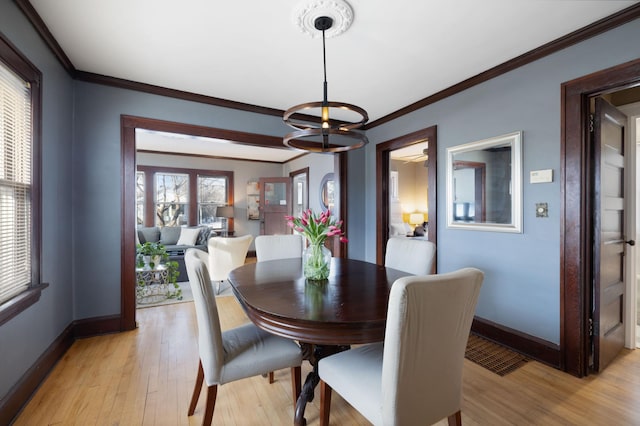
[[187, 296], [492, 356]]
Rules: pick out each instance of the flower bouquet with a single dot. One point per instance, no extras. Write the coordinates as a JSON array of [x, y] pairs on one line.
[[316, 229]]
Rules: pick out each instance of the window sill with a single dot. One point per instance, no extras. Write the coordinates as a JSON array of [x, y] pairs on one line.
[[13, 307]]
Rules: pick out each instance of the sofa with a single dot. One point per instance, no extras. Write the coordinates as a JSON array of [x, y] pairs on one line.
[[176, 239]]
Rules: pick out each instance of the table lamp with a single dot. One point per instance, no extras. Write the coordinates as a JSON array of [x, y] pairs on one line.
[[416, 218], [225, 212]]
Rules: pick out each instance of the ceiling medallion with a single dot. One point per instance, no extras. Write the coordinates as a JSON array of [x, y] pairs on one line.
[[338, 10], [326, 133]]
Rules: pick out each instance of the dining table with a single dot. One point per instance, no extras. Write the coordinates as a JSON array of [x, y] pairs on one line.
[[324, 317]]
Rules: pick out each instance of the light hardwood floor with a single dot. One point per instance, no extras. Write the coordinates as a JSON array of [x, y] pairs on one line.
[[145, 377]]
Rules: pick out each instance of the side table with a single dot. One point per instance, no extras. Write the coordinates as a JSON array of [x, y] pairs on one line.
[[153, 285]]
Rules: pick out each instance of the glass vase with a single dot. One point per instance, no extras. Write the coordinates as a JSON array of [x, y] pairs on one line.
[[316, 260]]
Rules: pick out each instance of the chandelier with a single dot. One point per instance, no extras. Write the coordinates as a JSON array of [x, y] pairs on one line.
[[328, 132]]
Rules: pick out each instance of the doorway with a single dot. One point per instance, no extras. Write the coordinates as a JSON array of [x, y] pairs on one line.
[[387, 191], [128, 126], [576, 207], [632, 110]]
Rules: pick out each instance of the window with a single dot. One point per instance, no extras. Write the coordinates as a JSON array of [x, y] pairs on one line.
[[172, 199], [139, 198], [19, 182], [181, 197], [212, 192]]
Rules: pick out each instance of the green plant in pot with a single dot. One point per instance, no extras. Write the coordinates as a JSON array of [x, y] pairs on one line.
[[153, 255]]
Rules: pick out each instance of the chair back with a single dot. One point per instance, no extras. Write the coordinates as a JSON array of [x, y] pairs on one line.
[[410, 255], [428, 325], [273, 247], [209, 333], [226, 254]]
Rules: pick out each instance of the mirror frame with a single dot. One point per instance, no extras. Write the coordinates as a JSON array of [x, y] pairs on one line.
[[329, 177], [515, 140]]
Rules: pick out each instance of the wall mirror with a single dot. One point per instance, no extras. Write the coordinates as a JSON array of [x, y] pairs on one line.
[[484, 184], [327, 192]]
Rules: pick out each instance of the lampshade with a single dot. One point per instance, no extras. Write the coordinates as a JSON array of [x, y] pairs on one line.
[[416, 218], [225, 211], [328, 132]]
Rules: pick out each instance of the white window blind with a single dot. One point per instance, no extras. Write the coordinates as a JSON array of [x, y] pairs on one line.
[[15, 184]]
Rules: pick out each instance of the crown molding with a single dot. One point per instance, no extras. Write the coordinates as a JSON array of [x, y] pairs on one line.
[[612, 21], [605, 24]]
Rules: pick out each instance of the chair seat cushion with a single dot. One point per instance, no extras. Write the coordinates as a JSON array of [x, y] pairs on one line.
[[250, 351], [365, 363]]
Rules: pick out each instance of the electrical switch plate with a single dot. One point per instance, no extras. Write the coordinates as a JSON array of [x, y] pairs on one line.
[[542, 210], [541, 176]]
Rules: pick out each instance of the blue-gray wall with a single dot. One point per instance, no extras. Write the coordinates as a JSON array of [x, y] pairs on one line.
[[24, 338], [82, 199], [96, 191], [522, 271]]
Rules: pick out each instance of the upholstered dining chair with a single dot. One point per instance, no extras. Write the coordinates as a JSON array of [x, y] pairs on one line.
[[410, 255], [273, 247], [225, 255], [415, 376], [230, 355]]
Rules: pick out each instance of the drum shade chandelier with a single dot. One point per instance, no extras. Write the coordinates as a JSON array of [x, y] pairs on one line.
[[317, 135]]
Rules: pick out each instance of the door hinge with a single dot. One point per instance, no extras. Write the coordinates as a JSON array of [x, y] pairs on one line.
[[590, 326], [590, 123]]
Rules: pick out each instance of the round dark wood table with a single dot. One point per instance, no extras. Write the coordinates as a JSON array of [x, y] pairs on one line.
[[350, 307]]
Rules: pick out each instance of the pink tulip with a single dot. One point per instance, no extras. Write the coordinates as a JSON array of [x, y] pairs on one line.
[[290, 224], [344, 240]]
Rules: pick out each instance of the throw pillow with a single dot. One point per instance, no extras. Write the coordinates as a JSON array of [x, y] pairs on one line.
[[149, 235], [397, 229], [169, 235], [188, 236], [203, 236]]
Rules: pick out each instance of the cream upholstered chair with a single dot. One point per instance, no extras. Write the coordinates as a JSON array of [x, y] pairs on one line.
[[273, 247], [230, 355], [415, 377], [410, 255], [225, 255]]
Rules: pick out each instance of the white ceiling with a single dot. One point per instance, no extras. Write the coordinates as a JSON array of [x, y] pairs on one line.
[[251, 51]]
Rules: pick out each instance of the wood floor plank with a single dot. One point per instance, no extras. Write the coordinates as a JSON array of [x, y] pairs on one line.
[[146, 376]]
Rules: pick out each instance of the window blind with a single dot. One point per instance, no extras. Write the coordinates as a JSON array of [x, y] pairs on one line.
[[15, 184]]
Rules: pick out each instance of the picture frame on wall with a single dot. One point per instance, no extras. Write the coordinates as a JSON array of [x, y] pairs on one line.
[[253, 210]]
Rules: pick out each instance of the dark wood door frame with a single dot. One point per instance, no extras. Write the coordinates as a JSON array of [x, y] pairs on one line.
[[382, 184], [576, 221], [128, 126]]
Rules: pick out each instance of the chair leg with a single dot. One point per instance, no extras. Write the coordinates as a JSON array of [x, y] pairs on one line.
[[212, 391], [271, 379], [196, 389], [218, 287], [455, 419], [325, 403], [296, 388]]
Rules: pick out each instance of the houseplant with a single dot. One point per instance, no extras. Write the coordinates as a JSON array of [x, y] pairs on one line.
[[150, 256], [316, 228]]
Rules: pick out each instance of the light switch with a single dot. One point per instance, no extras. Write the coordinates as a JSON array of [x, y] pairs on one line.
[[542, 210]]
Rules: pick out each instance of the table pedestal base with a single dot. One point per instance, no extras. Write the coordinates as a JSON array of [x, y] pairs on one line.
[[313, 354]]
